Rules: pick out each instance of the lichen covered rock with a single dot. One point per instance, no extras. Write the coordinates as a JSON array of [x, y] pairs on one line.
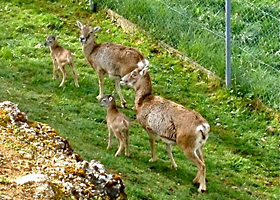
[[37, 150]]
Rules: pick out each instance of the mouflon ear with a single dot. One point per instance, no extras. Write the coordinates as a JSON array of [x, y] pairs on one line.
[[144, 71], [80, 25], [114, 94], [96, 29], [51, 37]]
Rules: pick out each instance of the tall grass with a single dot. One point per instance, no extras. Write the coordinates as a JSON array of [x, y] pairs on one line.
[[241, 153], [196, 28]]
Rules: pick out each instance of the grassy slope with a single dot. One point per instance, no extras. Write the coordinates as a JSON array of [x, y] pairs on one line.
[[241, 153], [196, 28]]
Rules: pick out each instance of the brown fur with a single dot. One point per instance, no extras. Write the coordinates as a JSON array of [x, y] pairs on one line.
[[169, 121], [118, 124], [60, 57], [108, 59]]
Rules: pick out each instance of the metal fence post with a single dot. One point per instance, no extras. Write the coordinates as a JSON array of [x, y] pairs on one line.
[[228, 44], [91, 3]]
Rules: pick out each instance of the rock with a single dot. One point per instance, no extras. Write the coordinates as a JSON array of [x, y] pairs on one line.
[[5, 197], [26, 155], [45, 191], [110, 185], [41, 184], [36, 178]]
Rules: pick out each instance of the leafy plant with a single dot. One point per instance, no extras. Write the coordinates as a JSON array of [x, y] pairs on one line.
[[242, 150], [4, 179]]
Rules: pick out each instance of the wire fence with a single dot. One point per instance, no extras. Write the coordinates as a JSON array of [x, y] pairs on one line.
[[197, 29], [263, 25]]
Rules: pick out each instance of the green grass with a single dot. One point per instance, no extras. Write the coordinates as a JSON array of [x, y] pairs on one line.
[[241, 154], [197, 29]]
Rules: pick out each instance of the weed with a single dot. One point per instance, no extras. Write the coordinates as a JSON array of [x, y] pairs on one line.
[[4, 180], [242, 151]]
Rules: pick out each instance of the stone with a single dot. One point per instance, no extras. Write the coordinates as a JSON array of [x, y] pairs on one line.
[[41, 184]]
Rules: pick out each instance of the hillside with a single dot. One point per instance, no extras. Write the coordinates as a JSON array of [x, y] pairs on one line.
[[241, 154]]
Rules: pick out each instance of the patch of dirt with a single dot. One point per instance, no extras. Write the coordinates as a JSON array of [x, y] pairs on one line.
[[11, 167], [34, 148]]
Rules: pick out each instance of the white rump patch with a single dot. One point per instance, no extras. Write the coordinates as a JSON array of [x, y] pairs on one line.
[[207, 126], [204, 127], [143, 63], [200, 128]]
